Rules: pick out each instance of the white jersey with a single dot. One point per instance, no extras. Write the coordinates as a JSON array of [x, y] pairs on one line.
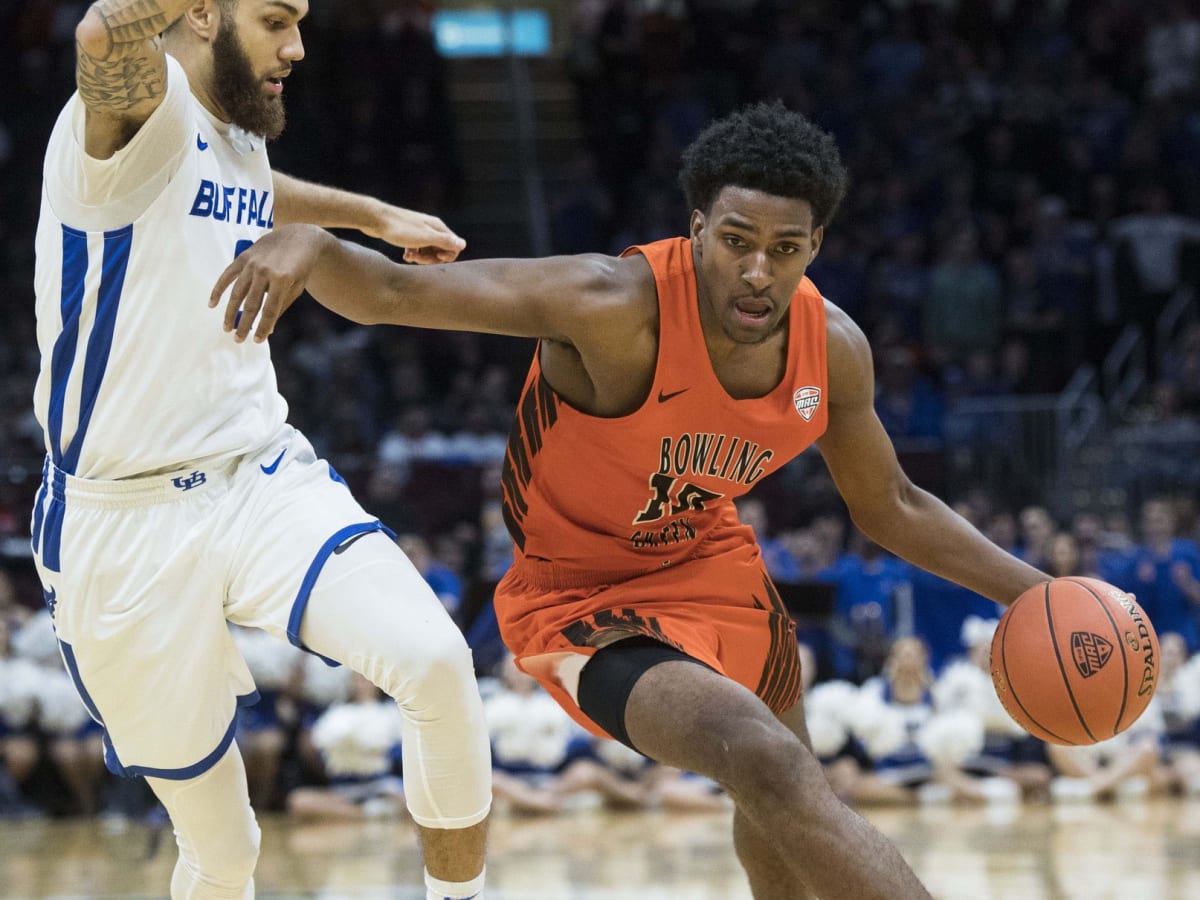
[[137, 375]]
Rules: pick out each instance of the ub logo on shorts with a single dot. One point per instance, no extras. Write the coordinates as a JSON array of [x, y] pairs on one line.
[[187, 482]]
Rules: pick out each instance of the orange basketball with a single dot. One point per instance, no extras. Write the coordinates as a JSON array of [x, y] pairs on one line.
[[1075, 660]]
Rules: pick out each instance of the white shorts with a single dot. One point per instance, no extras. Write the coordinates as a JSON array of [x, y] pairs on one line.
[[140, 576]]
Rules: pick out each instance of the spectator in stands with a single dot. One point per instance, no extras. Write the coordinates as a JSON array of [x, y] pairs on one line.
[[1172, 50], [1001, 528], [19, 753], [264, 728], [1128, 766], [11, 612], [1037, 527], [359, 743], [898, 286], [1152, 244], [444, 581], [413, 438], [780, 563], [874, 594], [940, 608], [916, 754], [1178, 698], [907, 402], [1008, 750], [963, 311], [1099, 550], [1164, 573]]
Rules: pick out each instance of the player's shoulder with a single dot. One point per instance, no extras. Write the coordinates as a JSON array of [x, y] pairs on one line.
[[620, 287], [848, 357], [843, 334]]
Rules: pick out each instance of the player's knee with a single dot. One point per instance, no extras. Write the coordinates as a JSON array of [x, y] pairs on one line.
[[233, 859], [439, 671], [221, 865], [764, 761], [444, 670]]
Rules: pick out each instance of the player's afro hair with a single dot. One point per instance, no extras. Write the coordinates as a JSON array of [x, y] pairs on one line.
[[765, 147]]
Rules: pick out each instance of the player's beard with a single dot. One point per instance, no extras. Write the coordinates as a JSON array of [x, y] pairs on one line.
[[239, 90]]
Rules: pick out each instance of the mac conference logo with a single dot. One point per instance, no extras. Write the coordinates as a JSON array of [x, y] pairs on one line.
[[1089, 652], [807, 399]]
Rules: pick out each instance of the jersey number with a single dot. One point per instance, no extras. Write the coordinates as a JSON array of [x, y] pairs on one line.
[[679, 496]]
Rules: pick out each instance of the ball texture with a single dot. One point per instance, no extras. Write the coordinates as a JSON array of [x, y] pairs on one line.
[[1075, 661]]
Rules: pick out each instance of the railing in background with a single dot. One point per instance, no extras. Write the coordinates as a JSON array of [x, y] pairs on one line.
[[525, 118], [1177, 316], [1124, 371], [1023, 448]]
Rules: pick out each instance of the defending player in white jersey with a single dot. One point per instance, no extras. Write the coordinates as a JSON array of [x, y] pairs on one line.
[[175, 496]]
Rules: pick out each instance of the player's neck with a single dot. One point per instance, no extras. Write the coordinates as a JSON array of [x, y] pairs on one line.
[[199, 68]]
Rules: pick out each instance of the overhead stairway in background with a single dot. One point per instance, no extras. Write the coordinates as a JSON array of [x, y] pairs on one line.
[[517, 131]]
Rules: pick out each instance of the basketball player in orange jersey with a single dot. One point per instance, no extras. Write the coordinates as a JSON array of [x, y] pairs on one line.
[[668, 382]]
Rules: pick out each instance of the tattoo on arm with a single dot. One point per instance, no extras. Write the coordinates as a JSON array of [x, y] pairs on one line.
[[117, 85], [123, 76], [130, 22]]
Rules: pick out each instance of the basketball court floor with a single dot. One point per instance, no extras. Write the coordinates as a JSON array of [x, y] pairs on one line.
[[1132, 850]]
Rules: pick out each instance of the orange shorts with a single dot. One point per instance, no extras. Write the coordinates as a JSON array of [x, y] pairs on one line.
[[722, 610]]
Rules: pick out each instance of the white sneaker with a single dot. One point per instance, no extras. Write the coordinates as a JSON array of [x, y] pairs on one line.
[[1071, 790], [934, 794], [1000, 790], [383, 808], [1135, 788]]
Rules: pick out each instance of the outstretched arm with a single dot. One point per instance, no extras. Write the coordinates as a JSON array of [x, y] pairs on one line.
[[883, 502], [562, 298], [120, 69], [425, 238]]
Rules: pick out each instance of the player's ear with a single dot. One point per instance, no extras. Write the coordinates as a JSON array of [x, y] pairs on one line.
[[696, 227], [817, 237], [203, 17]]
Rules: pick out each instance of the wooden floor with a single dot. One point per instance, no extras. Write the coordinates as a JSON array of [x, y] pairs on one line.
[[1127, 850]]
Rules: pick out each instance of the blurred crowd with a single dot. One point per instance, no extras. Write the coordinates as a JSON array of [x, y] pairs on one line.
[[1025, 184], [900, 712]]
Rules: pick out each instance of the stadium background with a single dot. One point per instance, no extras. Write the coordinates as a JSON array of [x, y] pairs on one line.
[[1021, 243]]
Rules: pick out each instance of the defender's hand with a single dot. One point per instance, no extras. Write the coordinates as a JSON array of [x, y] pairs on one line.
[[267, 278], [425, 238]]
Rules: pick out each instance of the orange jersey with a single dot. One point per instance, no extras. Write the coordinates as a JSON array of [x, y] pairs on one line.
[[641, 492], [626, 526]]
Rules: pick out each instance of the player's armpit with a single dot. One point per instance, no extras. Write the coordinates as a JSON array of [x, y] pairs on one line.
[[120, 69]]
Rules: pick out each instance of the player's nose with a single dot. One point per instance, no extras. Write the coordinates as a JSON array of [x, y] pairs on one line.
[[757, 272], [293, 48]]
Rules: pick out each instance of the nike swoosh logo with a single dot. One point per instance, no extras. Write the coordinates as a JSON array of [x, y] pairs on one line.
[[270, 470], [200, 143], [663, 398], [346, 545]]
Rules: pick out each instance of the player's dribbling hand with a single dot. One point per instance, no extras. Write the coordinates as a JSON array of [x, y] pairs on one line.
[[425, 238], [266, 278]]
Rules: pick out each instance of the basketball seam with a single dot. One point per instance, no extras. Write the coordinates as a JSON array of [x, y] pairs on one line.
[[1062, 669], [1120, 642], [1012, 690]]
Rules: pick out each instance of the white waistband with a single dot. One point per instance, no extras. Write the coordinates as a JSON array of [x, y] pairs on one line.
[[151, 489]]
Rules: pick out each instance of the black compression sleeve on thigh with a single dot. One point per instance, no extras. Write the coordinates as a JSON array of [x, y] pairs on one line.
[[609, 676]]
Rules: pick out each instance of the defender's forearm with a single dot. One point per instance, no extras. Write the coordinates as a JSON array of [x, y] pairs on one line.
[[298, 201]]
